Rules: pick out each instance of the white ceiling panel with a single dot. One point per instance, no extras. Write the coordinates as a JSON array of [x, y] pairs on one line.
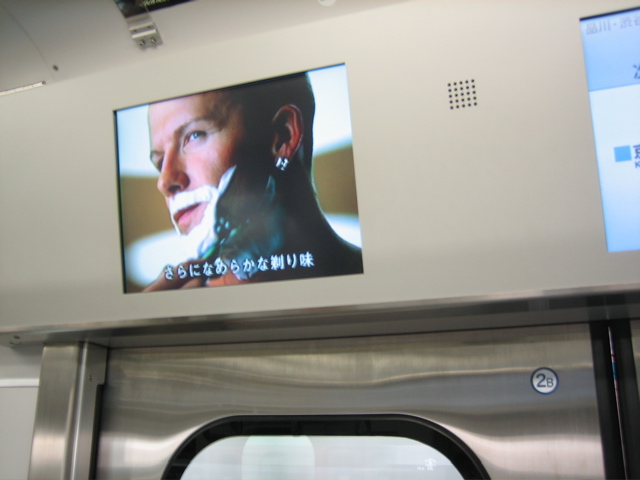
[[53, 40]]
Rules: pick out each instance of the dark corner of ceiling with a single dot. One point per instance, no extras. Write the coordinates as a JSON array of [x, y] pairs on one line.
[[130, 8], [22, 64]]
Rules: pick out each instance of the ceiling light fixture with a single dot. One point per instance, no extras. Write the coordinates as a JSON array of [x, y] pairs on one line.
[[22, 89]]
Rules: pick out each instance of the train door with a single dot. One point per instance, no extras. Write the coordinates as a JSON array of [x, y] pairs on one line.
[[509, 403]]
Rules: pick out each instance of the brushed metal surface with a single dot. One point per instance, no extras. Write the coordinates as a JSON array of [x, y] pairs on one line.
[[475, 384], [635, 342], [65, 412], [462, 313]]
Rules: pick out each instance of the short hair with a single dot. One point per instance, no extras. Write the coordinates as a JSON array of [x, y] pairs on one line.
[[262, 100]]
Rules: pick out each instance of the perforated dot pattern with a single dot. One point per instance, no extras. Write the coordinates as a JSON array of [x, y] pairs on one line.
[[462, 94]]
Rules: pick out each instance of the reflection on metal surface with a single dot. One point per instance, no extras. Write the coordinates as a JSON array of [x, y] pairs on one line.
[[626, 338], [64, 426], [474, 384], [446, 314], [635, 342]]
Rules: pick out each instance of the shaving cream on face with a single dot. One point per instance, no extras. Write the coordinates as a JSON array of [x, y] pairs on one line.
[[202, 237]]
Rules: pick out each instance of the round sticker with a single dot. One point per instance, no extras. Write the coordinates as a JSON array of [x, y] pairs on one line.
[[544, 380]]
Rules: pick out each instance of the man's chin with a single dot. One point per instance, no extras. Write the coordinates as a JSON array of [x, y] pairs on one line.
[[188, 219], [192, 211], [201, 238]]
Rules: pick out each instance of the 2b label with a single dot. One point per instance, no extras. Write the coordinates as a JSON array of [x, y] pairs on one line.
[[544, 380]]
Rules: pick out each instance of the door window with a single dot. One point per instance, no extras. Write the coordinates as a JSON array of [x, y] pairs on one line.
[[323, 448]]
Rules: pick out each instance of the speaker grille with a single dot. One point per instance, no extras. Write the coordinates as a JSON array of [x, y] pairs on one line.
[[462, 94]]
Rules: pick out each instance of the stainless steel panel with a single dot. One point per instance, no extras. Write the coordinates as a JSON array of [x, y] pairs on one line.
[[475, 384], [65, 412], [447, 314], [635, 343]]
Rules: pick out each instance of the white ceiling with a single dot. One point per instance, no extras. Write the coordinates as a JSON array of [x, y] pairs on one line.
[[52, 40]]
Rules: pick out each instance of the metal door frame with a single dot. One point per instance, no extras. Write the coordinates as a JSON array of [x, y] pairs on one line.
[[229, 378], [72, 375]]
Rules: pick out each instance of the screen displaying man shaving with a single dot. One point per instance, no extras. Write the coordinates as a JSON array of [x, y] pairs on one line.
[[244, 184]]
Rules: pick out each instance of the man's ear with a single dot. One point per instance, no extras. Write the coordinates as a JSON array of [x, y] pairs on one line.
[[287, 128]]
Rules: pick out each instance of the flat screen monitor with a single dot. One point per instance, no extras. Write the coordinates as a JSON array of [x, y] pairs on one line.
[[249, 183], [612, 56]]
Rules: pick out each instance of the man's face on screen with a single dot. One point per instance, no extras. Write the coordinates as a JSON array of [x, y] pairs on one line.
[[194, 141]]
